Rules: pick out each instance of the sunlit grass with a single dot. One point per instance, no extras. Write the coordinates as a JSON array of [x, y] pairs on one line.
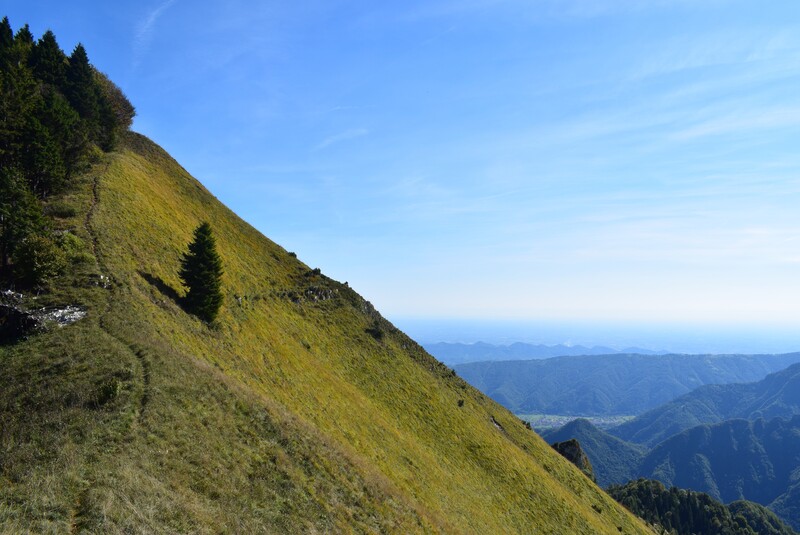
[[299, 410]]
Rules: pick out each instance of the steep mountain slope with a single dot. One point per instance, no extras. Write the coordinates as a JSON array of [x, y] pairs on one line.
[[611, 384], [613, 460], [737, 459], [777, 394], [301, 410]]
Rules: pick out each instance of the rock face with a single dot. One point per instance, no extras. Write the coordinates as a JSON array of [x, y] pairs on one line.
[[572, 451], [16, 322]]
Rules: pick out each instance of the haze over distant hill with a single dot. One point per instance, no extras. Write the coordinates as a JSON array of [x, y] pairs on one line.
[[611, 384], [458, 353], [757, 460], [778, 394]]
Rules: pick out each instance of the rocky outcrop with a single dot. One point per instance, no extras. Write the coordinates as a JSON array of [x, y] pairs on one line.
[[16, 322], [572, 451]]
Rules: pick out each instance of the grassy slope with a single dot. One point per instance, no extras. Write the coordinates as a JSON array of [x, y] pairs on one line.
[[293, 414]]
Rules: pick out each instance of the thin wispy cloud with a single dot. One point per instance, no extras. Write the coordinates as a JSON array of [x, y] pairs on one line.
[[347, 135], [145, 30], [610, 150], [764, 119]]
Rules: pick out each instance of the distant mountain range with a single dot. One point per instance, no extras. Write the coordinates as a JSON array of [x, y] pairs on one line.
[[733, 442], [614, 384], [733, 460], [457, 353], [777, 394]]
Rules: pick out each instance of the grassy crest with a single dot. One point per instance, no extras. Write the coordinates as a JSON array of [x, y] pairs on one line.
[[299, 410]]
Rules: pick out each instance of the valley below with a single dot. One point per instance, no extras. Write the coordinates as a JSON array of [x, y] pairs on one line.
[[544, 422]]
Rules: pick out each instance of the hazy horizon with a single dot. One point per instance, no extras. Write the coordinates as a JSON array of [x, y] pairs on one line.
[[669, 337]]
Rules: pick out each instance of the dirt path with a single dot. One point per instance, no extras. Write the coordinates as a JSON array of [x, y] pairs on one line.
[[108, 282]]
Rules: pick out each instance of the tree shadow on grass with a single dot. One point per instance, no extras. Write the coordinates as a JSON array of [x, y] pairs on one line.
[[165, 289]]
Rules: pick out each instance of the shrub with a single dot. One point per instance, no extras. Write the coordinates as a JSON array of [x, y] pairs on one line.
[[37, 260]]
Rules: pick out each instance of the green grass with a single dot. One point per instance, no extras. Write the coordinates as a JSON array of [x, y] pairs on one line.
[[299, 410]]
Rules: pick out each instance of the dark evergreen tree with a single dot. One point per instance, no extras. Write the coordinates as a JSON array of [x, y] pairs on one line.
[[20, 215], [41, 159], [6, 42], [81, 90], [66, 129], [23, 43], [18, 98], [201, 273], [48, 61], [24, 36]]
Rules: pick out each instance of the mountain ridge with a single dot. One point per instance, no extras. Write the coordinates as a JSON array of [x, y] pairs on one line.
[[778, 394], [618, 384]]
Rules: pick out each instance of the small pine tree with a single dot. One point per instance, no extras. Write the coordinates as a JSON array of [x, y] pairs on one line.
[[201, 273]]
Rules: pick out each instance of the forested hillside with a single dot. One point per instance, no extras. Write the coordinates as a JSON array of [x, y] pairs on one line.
[[739, 455], [57, 113], [685, 512], [778, 394], [734, 460]]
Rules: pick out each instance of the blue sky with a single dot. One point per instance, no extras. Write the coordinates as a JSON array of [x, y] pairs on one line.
[[579, 160]]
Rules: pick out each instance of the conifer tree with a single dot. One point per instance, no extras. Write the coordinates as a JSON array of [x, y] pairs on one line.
[[82, 91], [48, 61], [6, 41], [24, 36], [42, 160], [18, 98], [64, 125], [20, 215], [201, 273]]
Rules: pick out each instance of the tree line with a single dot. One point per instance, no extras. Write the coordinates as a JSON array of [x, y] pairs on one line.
[[56, 113]]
